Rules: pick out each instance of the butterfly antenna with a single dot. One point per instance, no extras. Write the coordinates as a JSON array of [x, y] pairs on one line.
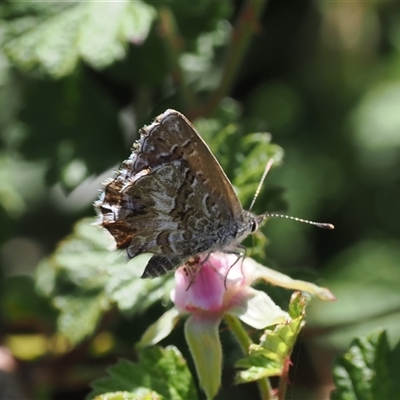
[[264, 175], [272, 215], [319, 224]]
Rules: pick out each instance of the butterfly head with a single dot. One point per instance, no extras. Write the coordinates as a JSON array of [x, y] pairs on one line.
[[256, 221], [250, 224]]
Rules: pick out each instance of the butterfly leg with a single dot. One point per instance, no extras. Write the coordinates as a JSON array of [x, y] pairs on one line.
[[193, 266], [240, 252]]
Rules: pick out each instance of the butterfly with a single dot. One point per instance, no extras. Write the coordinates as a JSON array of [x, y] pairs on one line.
[[171, 198]]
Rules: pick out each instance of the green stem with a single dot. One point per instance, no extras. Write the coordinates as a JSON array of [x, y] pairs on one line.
[[264, 385], [245, 26], [241, 335], [173, 43]]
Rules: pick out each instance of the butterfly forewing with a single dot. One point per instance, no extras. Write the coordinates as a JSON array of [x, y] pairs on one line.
[[200, 158]]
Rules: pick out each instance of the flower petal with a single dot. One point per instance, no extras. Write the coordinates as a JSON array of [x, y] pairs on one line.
[[206, 292], [258, 310], [159, 329], [201, 333], [269, 275]]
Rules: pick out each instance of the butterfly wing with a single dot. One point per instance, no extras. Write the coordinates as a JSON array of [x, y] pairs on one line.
[[200, 158], [170, 198]]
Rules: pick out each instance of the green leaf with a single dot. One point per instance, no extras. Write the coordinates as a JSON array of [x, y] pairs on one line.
[[96, 32], [221, 134], [83, 278], [163, 371], [271, 356], [140, 394], [133, 294], [243, 156], [258, 150], [79, 314], [363, 372], [73, 277]]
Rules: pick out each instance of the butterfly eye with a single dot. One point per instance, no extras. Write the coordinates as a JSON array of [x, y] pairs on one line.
[[254, 226]]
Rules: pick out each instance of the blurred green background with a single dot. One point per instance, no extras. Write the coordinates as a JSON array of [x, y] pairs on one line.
[[77, 81]]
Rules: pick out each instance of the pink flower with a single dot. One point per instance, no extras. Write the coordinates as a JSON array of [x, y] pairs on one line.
[[215, 287], [222, 286]]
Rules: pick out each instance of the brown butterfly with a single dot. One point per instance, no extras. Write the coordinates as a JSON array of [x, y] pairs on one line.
[[172, 199]]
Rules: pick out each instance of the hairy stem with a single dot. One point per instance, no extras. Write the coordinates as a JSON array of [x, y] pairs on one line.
[[242, 32], [264, 385], [173, 44]]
